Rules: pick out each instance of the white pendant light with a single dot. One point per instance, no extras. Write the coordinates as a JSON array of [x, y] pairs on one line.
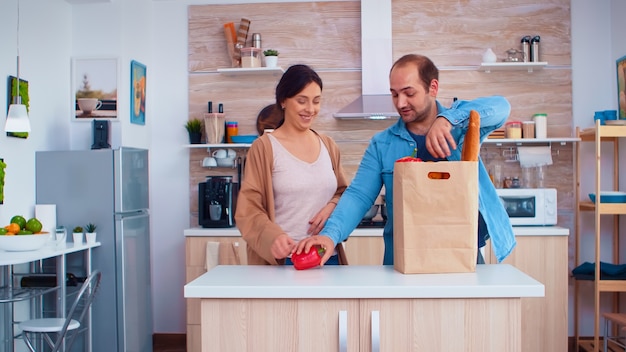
[[17, 118]]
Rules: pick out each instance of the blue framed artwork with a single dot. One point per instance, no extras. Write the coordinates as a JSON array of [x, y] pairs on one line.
[[621, 87], [137, 93]]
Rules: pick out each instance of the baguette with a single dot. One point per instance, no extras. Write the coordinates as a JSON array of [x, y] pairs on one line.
[[471, 145]]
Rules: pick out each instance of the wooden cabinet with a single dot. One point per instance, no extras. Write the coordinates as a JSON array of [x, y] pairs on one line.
[[600, 136], [365, 250], [360, 325], [545, 258], [196, 265]]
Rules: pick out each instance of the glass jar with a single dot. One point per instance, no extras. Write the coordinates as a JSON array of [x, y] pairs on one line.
[[514, 130]]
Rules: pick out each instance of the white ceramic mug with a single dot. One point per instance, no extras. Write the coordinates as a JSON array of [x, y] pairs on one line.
[[87, 105], [231, 153], [220, 153], [209, 162]]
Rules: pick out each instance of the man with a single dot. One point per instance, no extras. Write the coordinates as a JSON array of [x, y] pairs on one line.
[[432, 132]]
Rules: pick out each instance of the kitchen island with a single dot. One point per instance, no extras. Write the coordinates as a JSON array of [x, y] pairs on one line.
[[361, 308]]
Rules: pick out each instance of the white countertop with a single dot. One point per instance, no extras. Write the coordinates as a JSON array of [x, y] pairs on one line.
[[339, 281], [48, 251], [375, 232]]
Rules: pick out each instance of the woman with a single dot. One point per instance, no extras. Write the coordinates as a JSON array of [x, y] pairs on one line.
[[293, 176]]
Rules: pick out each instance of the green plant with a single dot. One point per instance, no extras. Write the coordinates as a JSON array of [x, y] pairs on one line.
[[78, 229], [194, 125], [90, 228], [270, 52]]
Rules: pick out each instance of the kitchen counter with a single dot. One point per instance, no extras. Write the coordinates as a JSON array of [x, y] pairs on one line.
[[334, 281], [373, 232], [360, 308]]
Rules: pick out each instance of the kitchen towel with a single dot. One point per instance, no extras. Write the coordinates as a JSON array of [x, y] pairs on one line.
[[534, 156], [47, 215], [212, 255]]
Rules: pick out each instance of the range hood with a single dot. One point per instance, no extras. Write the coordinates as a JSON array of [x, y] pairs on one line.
[[375, 102]]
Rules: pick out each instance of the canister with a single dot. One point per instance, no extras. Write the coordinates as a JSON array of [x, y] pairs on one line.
[[514, 130], [528, 129], [232, 129], [250, 57], [541, 125]]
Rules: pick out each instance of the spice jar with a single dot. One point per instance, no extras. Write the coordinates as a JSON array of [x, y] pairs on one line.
[[514, 130], [507, 182]]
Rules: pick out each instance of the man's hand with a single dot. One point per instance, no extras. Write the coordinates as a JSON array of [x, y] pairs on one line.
[[439, 140], [282, 246], [323, 241], [319, 220]]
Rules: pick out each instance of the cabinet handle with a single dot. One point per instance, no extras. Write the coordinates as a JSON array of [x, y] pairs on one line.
[[375, 331], [343, 331]]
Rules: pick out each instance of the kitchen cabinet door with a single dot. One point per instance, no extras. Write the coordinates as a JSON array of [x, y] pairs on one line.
[[365, 250], [196, 265], [422, 325], [303, 325], [544, 258]]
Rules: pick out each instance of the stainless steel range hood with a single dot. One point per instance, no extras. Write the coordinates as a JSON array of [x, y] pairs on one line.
[[375, 102]]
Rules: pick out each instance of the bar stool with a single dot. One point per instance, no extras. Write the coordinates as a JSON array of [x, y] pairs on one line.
[[617, 319]]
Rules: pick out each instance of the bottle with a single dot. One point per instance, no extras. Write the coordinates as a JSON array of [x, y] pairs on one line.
[[232, 129], [256, 40], [534, 49], [526, 48]]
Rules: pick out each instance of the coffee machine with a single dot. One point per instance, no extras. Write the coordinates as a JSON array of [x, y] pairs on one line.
[[216, 202]]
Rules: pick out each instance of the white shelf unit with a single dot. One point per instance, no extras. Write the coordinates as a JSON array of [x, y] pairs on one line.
[[512, 66]]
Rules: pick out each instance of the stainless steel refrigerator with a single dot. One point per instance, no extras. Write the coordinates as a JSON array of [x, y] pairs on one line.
[[108, 187]]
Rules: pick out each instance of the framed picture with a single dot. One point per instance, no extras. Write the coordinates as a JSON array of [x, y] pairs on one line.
[[137, 93], [621, 87], [94, 83]]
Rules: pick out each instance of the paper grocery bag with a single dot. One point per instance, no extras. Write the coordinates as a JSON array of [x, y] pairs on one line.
[[435, 216]]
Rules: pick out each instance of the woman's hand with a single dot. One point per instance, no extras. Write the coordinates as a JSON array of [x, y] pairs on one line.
[[283, 246], [318, 221], [323, 241], [439, 140]]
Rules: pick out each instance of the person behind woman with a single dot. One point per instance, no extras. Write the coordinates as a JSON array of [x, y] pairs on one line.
[[293, 176]]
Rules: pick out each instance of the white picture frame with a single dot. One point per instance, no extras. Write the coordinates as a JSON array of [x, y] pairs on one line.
[[95, 77]]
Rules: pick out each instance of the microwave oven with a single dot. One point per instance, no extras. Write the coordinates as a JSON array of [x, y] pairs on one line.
[[529, 206]]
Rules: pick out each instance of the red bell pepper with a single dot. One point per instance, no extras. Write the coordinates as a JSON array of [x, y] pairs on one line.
[[408, 159], [308, 260]]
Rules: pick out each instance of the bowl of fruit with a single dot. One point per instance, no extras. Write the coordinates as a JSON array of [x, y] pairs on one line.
[[23, 235]]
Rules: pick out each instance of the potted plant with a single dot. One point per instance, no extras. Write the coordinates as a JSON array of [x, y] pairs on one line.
[[77, 235], [271, 57], [194, 128], [90, 232]]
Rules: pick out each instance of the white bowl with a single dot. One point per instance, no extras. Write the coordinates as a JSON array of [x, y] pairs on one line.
[[225, 162], [21, 243]]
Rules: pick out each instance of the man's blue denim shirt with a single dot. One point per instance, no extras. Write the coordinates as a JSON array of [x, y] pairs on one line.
[[376, 171]]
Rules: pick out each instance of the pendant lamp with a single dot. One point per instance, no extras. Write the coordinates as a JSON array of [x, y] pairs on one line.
[[17, 117]]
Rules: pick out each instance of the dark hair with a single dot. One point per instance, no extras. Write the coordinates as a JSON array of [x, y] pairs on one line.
[[425, 67], [269, 118], [293, 82]]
